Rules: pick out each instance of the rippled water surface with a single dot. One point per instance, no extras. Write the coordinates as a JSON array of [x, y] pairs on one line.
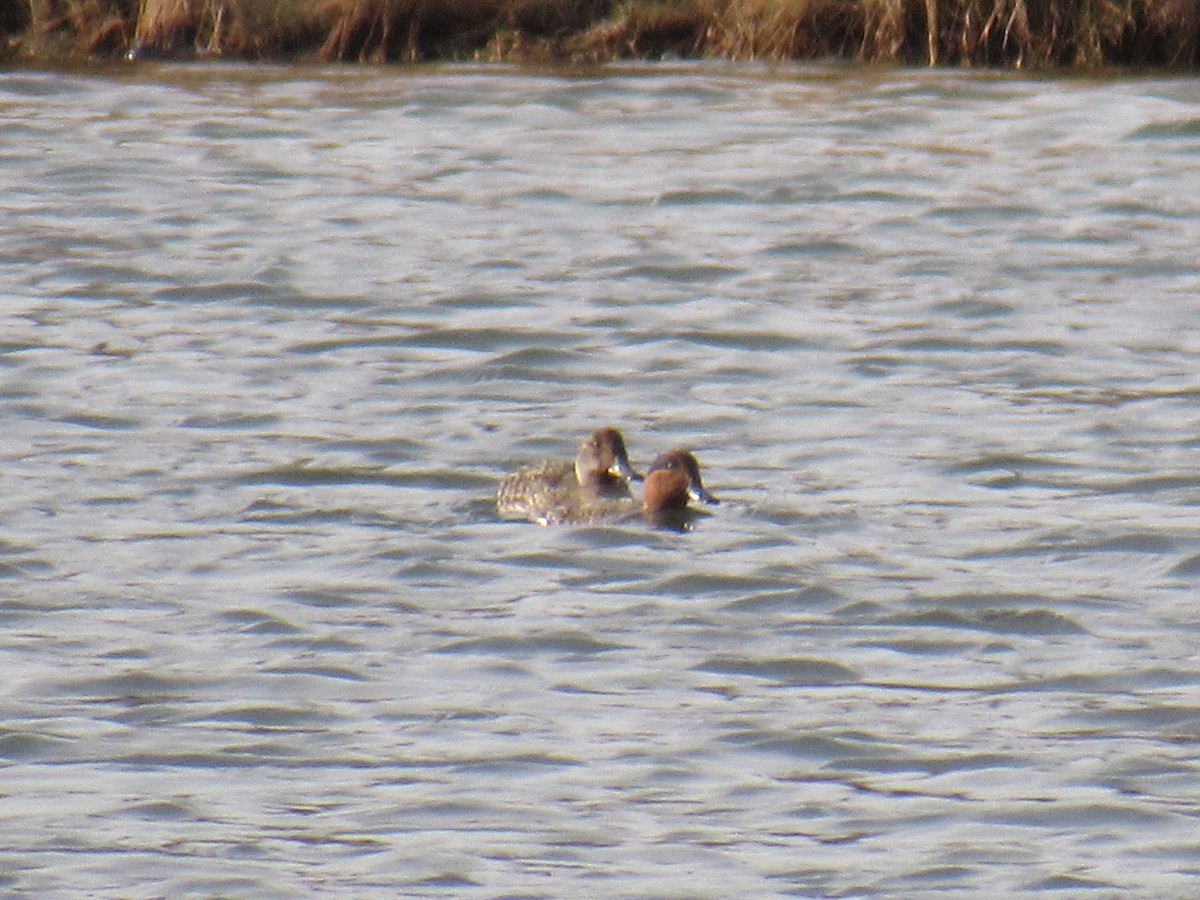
[[271, 337]]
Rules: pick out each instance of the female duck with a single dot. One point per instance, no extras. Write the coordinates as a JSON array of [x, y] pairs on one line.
[[544, 493], [672, 479]]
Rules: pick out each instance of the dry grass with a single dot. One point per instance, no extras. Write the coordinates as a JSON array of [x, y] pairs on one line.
[[1038, 33], [66, 28], [409, 30], [1011, 33], [1014, 33], [243, 28]]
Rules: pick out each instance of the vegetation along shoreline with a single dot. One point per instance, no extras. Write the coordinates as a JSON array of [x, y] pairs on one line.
[[1031, 34]]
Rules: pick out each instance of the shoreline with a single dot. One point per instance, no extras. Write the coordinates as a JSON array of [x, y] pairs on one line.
[[1063, 35]]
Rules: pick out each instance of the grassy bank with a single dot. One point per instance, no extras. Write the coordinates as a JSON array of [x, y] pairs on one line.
[[1008, 33]]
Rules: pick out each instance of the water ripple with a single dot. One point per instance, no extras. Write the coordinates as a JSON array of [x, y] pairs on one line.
[[929, 333]]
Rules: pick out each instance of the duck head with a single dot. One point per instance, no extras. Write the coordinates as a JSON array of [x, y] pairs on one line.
[[603, 460], [673, 479]]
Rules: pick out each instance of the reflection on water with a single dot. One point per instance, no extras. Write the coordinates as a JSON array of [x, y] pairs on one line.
[[271, 337]]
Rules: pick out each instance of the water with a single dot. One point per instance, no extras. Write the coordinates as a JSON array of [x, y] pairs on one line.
[[271, 336]]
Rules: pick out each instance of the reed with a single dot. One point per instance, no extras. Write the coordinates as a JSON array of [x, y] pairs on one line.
[[786, 29], [267, 29], [53, 29], [408, 30], [1011, 33]]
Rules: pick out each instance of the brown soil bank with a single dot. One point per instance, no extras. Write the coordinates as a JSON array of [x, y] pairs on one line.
[[1014, 33]]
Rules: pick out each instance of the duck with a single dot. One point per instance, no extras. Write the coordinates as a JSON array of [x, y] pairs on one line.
[[547, 491], [670, 482]]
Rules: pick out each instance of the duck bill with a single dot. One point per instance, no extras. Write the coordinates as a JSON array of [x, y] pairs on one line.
[[622, 469], [700, 495]]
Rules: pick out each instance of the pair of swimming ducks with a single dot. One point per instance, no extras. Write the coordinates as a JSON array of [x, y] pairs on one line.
[[595, 488]]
